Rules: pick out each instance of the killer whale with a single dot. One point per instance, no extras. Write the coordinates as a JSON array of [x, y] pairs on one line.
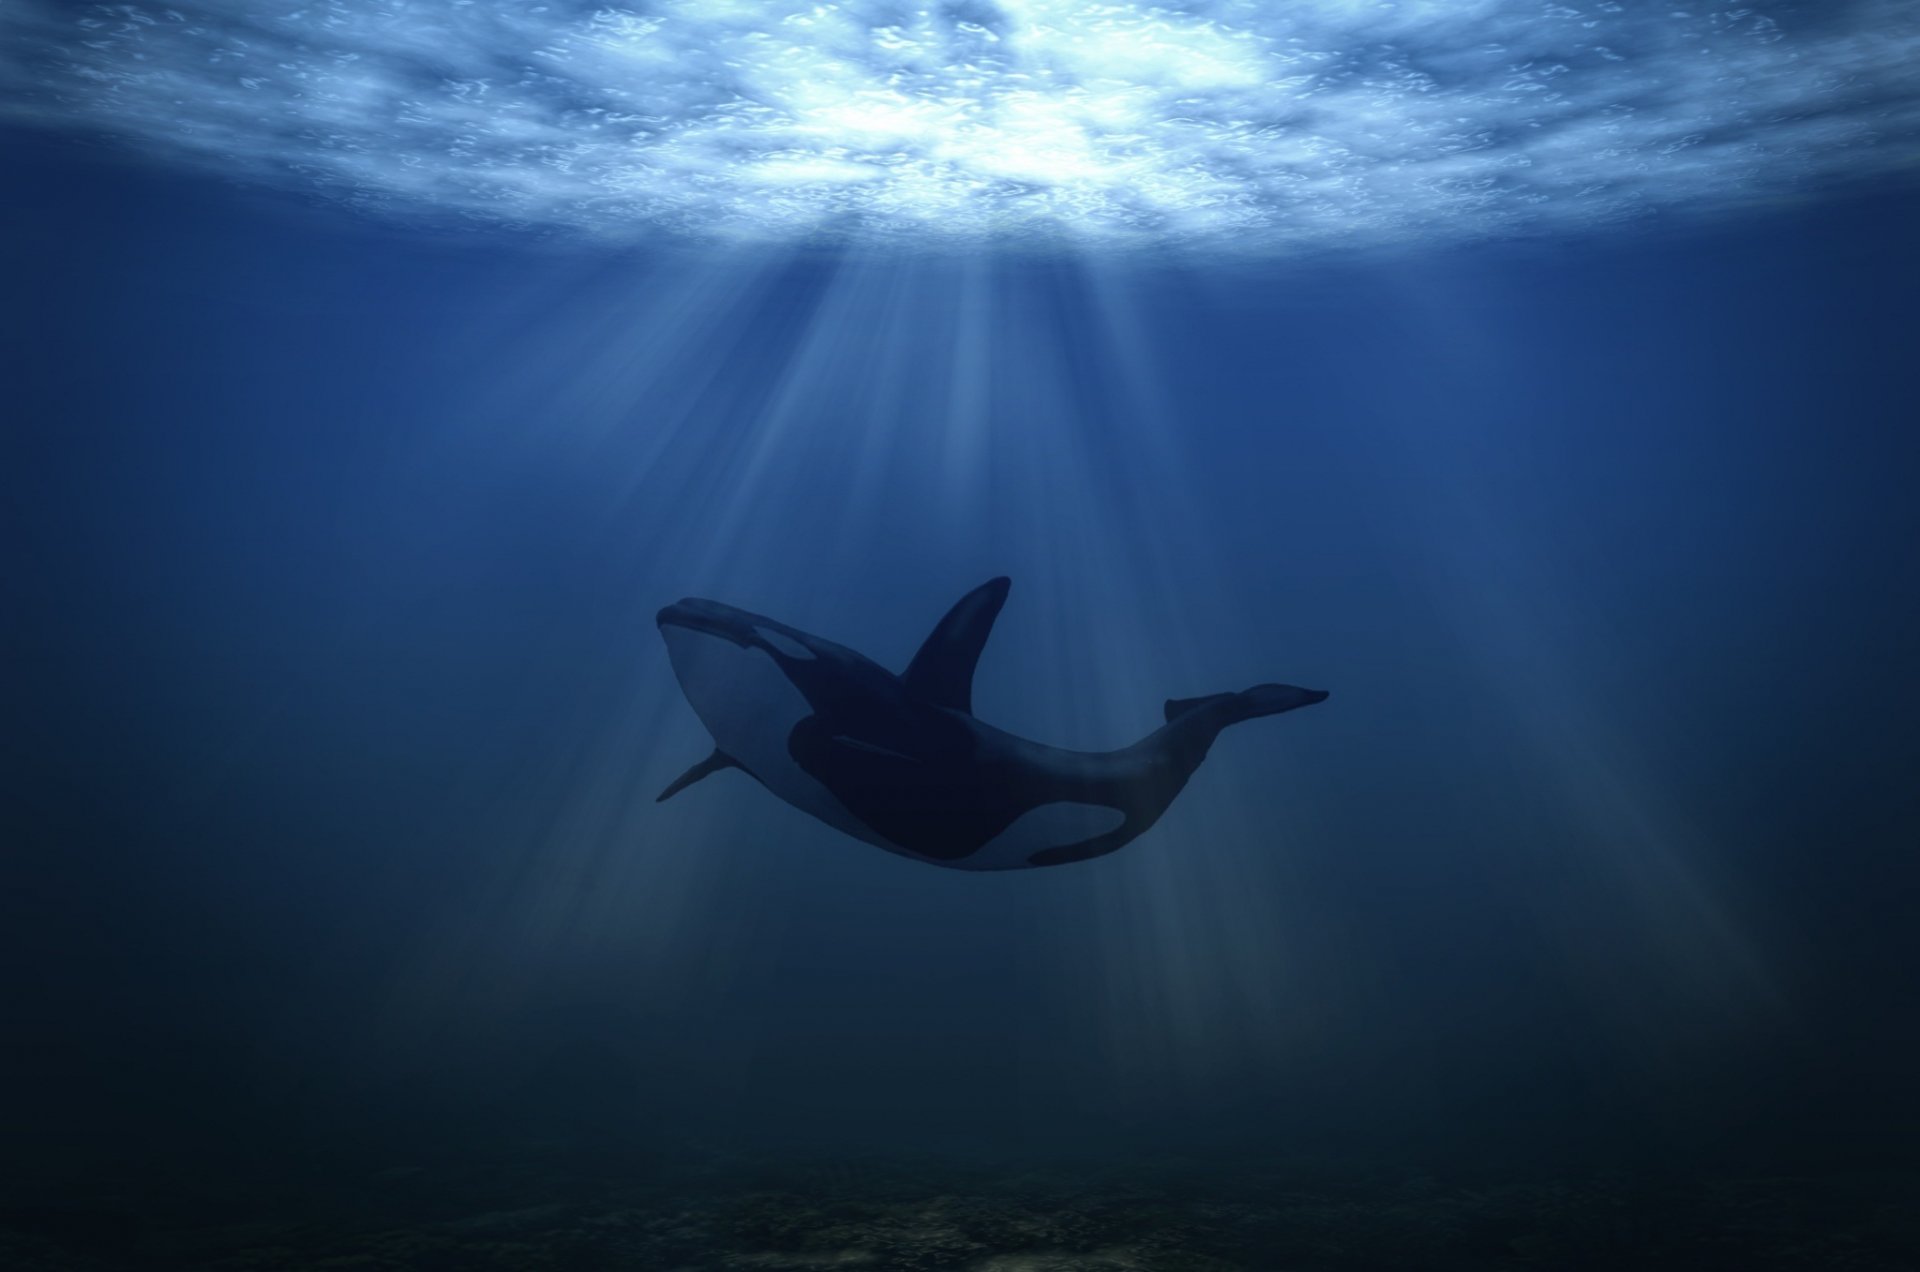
[[902, 763]]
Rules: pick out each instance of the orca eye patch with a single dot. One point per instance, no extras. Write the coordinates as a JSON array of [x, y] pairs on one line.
[[783, 643]]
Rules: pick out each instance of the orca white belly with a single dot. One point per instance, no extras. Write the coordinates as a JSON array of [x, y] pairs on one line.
[[750, 708]]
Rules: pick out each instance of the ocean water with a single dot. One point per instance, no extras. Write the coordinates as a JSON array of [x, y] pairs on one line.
[[340, 929]]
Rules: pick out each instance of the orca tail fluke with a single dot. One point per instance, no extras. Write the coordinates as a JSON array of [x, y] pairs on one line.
[[1266, 700], [705, 768], [1177, 707], [1261, 700]]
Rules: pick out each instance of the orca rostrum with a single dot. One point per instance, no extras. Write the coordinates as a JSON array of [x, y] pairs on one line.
[[901, 762]]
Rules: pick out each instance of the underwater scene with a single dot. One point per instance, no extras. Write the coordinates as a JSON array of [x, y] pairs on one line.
[[994, 636]]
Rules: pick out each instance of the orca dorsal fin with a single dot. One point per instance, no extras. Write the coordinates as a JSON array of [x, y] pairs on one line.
[[705, 768], [1177, 707], [942, 672]]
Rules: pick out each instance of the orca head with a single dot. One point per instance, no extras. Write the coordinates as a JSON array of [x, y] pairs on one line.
[[1266, 700], [748, 679], [693, 624], [737, 671]]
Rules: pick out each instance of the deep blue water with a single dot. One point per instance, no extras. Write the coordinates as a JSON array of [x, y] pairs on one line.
[[335, 709]]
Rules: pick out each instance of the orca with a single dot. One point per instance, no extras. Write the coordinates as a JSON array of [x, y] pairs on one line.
[[900, 761]]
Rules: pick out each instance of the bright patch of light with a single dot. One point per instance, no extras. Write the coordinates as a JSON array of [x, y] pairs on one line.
[[1235, 123]]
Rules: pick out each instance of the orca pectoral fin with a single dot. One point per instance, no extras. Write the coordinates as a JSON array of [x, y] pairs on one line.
[[705, 768]]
